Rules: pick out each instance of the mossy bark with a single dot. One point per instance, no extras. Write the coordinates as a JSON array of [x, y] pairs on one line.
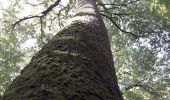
[[75, 65]]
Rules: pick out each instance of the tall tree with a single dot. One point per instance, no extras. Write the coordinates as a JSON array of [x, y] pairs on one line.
[[76, 64]]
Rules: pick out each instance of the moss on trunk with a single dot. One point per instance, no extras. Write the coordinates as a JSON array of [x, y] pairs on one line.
[[65, 69], [75, 65]]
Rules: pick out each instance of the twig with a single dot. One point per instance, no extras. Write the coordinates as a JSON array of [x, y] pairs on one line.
[[134, 35], [44, 13], [25, 18], [34, 4], [138, 84], [42, 31], [120, 72]]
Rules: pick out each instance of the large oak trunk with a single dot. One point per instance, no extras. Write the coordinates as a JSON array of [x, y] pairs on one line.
[[76, 64]]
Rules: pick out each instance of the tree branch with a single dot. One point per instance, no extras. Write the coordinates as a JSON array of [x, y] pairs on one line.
[[34, 4], [50, 8], [42, 31], [133, 86], [134, 35], [44, 13], [138, 84], [25, 18]]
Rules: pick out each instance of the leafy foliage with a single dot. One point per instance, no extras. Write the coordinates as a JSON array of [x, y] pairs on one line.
[[139, 33], [161, 7]]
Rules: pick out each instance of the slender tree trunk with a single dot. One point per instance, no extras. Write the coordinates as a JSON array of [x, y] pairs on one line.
[[76, 64]]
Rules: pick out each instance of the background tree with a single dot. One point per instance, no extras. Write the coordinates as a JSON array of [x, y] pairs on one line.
[[136, 30]]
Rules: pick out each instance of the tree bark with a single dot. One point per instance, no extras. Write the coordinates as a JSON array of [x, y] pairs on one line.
[[76, 64]]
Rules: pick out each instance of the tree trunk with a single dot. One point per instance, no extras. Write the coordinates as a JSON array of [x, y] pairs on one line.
[[76, 64]]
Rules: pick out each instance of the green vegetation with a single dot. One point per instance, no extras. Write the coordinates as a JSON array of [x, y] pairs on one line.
[[139, 32]]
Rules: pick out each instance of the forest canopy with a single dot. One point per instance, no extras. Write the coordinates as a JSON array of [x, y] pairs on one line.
[[139, 33]]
